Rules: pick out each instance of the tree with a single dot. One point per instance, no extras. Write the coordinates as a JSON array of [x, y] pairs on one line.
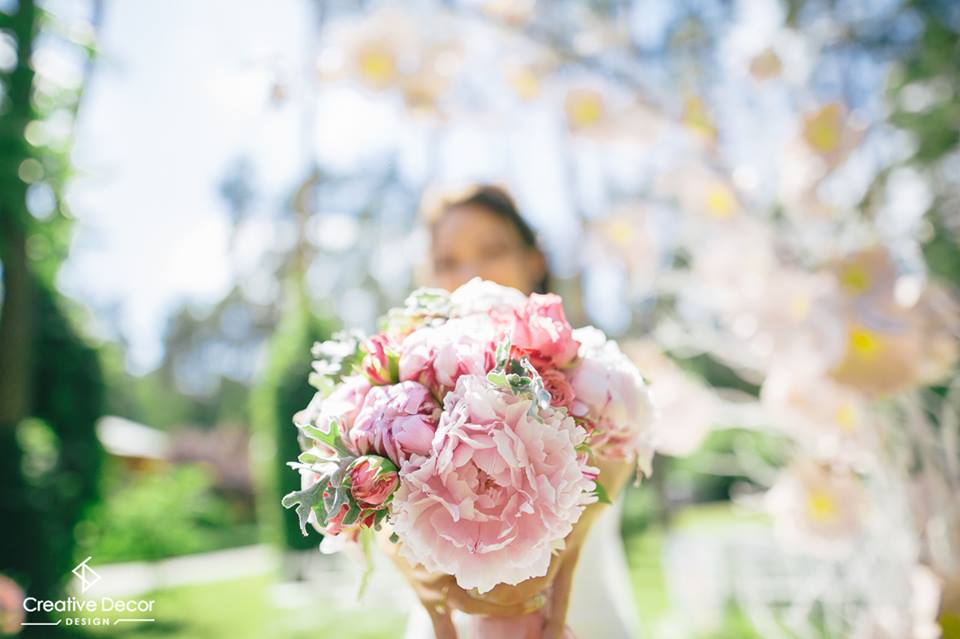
[[51, 390]]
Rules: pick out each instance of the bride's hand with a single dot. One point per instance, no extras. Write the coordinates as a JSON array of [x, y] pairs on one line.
[[439, 594]]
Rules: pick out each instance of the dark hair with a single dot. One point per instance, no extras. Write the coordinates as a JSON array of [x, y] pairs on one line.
[[497, 200]]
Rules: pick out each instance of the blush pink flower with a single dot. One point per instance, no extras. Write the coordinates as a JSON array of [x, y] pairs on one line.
[[347, 532], [557, 384], [372, 481], [437, 355], [336, 533], [395, 421], [342, 405], [486, 298], [543, 332], [498, 493], [613, 396]]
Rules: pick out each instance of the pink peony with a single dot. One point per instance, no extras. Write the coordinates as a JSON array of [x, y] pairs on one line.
[[342, 405], [437, 355], [612, 395], [396, 421], [542, 331], [556, 383], [372, 480], [498, 493]]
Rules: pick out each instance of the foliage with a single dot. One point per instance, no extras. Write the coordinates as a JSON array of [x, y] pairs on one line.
[[282, 392], [923, 94], [160, 514], [51, 465], [50, 378]]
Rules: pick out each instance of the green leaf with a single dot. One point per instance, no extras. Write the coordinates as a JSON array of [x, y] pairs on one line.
[[331, 439], [394, 360], [602, 496], [352, 514], [497, 378], [310, 458], [305, 501]]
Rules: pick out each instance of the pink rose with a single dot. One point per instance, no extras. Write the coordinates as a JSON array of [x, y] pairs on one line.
[[395, 421], [333, 541], [342, 405], [500, 489], [335, 525], [542, 332], [379, 364], [612, 396], [350, 532], [437, 355], [372, 481], [556, 383]]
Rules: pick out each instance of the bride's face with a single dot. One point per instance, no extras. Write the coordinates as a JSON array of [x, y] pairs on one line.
[[470, 241]]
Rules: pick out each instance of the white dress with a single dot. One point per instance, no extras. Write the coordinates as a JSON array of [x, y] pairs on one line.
[[602, 602]]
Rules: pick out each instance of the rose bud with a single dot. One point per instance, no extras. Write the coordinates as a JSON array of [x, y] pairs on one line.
[[373, 479], [380, 364]]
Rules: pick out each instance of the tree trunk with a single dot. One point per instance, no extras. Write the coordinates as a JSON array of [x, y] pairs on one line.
[[15, 314]]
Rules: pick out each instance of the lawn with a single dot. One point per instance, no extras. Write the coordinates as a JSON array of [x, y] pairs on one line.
[[247, 608], [242, 609]]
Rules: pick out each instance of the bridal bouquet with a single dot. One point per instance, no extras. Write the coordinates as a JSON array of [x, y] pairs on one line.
[[468, 424]]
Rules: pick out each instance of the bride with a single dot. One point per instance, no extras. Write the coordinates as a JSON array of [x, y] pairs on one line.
[[480, 232]]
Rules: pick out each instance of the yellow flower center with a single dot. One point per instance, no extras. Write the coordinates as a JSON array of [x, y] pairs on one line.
[[376, 66], [720, 201], [821, 506], [696, 118], [864, 342], [525, 83], [847, 417], [823, 128], [584, 108], [621, 232], [855, 279]]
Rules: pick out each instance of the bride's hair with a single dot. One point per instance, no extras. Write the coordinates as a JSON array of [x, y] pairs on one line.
[[491, 198]]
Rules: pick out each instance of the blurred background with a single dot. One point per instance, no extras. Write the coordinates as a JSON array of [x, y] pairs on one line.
[[760, 199]]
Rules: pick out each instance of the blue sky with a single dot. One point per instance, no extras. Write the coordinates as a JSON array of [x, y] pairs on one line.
[[177, 95]]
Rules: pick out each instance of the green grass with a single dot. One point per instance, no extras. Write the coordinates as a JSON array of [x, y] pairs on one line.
[[643, 541], [241, 609]]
